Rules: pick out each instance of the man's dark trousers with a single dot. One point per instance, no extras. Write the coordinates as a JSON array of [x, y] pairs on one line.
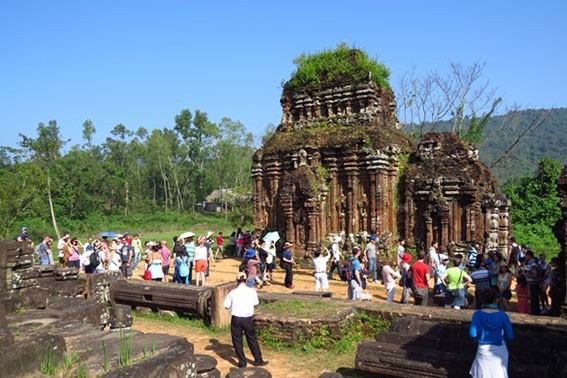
[[288, 281], [238, 326], [534, 297]]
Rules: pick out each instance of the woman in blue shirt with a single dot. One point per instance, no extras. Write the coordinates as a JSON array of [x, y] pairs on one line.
[[287, 264], [491, 328]]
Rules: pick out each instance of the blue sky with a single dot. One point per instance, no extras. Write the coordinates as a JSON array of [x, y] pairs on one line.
[[140, 63]]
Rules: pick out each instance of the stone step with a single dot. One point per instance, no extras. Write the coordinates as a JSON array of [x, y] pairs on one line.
[[440, 344], [413, 326], [394, 360]]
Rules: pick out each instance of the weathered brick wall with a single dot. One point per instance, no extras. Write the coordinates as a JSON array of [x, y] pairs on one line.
[[291, 330]]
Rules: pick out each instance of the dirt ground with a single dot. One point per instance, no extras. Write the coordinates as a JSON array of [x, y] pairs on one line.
[[281, 364], [220, 347]]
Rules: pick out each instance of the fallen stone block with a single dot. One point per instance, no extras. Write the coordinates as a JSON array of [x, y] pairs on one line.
[[215, 373], [205, 363], [27, 298], [331, 375], [64, 274], [319, 294], [80, 309], [249, 372], [26, 355], [98, 285], [176, 361], [6, 337], [120, 317]]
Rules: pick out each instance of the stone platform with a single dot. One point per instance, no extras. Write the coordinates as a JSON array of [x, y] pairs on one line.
[[72, 327]]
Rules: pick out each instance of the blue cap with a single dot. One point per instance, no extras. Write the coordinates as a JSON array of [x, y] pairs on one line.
[[250, 253], [372, 237]]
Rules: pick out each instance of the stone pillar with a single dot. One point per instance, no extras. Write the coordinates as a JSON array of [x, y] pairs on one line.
[[380, 188], [322, 229], [409, 214], [392, 179], [373, 203], [257, 195], [351, 205], [444, 215], [503, 229], [311, 206], [428, 231], [287, 208]]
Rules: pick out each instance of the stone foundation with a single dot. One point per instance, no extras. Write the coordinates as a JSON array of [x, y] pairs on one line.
[[291, 330]]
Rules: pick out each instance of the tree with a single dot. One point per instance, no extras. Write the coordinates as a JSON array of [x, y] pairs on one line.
[[46, 150], [462, 95], [88, 131], [229, 163], [199, 136], [462, 102], [535, 206], [269, 131]]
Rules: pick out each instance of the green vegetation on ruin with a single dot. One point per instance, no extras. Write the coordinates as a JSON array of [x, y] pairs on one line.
[[301, 309], [341, 65], [363, 326], [337, 136]]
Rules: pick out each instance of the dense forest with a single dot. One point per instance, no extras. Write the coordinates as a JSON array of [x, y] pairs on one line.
[[48, 185]]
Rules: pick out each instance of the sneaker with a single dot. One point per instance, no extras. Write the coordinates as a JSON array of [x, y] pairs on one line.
[[261, 363], [376, 281]]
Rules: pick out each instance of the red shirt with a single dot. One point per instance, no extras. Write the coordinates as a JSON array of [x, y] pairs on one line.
[[419, 271], [219, 240]]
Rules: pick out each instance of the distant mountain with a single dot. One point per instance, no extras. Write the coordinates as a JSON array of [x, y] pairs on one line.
[[548, 140]]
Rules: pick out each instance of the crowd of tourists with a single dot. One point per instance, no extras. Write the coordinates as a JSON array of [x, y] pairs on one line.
[[536, 282], [120, 253]]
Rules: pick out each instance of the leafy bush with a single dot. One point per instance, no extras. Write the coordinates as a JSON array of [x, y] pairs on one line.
[[535, 207], [342, 65]]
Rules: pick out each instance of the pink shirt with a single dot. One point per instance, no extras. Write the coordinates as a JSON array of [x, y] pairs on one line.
[[74, 256], [165, 254]]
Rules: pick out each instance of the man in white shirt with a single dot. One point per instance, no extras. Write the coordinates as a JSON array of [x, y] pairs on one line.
[[434, 256], [241, 302], [336, 256], [401, 252], [320, 263], [370, 252]]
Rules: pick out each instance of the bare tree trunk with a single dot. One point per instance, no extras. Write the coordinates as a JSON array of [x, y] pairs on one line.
[[52, 211], [534, 124], [165, 191], [180, 204], [127, 199]]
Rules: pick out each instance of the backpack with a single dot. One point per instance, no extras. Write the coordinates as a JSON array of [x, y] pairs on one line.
[[94, 259], [36, 252], [346, 271], [514, 254], [184, 268]]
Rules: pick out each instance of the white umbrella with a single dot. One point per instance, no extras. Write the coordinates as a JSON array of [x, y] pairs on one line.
[[271, 236], [186, 235]]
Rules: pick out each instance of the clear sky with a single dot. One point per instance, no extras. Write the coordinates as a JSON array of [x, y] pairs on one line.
[[140, 62]]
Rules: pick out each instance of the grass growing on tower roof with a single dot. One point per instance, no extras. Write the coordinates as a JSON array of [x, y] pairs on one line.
[[341, 65]]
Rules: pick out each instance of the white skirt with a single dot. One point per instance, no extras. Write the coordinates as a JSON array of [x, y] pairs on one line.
[[491, 361]]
